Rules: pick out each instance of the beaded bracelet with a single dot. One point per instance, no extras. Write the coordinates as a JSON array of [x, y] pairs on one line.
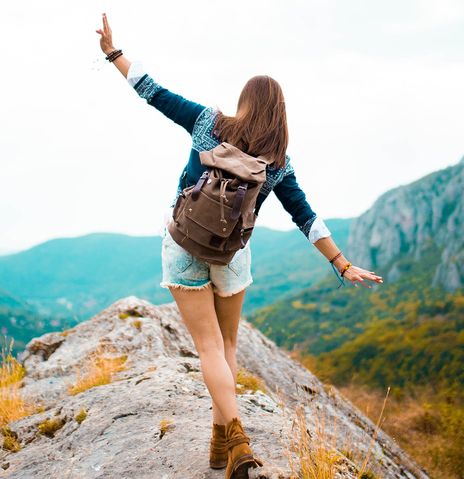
[[345, 268]]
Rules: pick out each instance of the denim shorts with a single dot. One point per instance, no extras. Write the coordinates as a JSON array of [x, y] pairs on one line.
[[183, 270]]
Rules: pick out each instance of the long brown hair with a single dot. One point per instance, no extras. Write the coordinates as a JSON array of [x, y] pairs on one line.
[[260, 125]]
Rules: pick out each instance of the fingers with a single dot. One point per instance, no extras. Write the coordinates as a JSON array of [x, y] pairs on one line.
[[361, 282], [374, 277], [358, 275], [368, 274], [106, 24]]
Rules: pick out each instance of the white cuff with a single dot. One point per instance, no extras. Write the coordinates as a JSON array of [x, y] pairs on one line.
[[318, 230], [135, 73]]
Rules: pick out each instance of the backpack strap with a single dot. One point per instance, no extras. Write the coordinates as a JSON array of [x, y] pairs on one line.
[[238, 200], [199, 185]]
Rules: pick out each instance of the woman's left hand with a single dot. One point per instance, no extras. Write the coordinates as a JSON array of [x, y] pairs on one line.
[[355, 273]]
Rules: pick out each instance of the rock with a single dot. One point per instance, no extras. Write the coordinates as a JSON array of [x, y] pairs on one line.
[[409, 221], [121, 433]]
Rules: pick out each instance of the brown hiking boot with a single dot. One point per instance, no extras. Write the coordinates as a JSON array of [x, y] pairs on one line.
[[240, 456], [218, 447]]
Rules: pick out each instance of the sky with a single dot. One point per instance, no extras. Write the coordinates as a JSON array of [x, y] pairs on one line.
[[373, 90]]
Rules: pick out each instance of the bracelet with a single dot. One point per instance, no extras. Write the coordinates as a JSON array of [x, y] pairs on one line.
[[113, 55], [345, 268], [112, 59], [335, 257]]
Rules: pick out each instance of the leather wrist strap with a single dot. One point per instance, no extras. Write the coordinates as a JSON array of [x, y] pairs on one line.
[[335, 257], [113, 55]]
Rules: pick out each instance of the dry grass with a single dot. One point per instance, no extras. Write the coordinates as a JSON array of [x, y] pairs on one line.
[[97, 371], [12, 405], [164, 426], [81, 416], [246, 381], [130, 312], [10, 440], [50, 426], [67, 331], [11, 371], [315, 458], [315, 453], [137, 324]]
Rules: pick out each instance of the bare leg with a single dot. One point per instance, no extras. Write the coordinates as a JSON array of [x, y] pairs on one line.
[[199, 315], [228, 311]]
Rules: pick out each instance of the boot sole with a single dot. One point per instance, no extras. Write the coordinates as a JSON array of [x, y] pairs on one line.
[[242, 465], [218, 465]]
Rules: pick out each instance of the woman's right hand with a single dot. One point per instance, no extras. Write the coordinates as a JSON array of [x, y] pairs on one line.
[[106, 39]]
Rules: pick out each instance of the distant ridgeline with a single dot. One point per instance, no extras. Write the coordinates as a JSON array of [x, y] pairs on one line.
[[407, 331], [63, 281], [19, 320]]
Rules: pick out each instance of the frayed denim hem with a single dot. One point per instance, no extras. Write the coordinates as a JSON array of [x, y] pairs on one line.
[[166, 284], [230, 293]]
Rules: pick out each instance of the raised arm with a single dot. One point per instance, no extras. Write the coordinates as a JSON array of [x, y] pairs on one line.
[[294, 201], [106, 44], [177, 108]]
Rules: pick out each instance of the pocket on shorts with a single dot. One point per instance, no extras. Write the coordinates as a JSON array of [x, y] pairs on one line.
[[239, 262], [183, 260]]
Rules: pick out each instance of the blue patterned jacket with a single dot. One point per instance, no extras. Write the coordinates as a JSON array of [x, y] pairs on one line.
[[199, 120]]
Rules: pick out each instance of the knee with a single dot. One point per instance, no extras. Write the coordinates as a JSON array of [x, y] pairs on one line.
[[230, 344], [209, 349]]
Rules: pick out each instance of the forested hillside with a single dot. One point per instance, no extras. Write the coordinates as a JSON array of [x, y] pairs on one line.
[[406, 334]]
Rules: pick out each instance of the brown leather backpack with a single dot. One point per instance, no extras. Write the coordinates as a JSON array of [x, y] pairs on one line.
[[215, 217]]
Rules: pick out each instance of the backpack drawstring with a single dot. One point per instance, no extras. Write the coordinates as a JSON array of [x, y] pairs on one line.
[[222, 196]]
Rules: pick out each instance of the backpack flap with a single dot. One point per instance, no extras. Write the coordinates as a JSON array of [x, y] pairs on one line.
[[236, 162]]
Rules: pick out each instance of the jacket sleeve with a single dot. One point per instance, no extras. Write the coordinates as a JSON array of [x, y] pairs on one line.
[[294, 201], [177, 108]]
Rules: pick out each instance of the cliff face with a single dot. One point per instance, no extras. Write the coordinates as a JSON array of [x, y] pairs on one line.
[[122, 434], [406, 222]]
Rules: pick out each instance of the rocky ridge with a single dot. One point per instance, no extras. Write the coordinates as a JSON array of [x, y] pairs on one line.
[[122, 434]]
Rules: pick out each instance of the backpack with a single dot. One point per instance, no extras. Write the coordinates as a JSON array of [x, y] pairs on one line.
[[215, 218]]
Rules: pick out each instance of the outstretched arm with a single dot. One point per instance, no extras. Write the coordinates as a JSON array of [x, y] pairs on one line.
[[106, 44], [294, 201], [354, 273], [177, 108]]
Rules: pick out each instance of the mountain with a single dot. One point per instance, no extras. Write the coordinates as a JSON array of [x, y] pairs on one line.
[[406, 222], [76, 277], [153, 417], [20, 320], [405, 334], [412, 320]]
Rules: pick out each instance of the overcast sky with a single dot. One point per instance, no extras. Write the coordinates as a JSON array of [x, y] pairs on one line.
[[374, 94]]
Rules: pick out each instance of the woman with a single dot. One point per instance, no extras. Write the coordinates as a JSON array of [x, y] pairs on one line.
[[210, 296]]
